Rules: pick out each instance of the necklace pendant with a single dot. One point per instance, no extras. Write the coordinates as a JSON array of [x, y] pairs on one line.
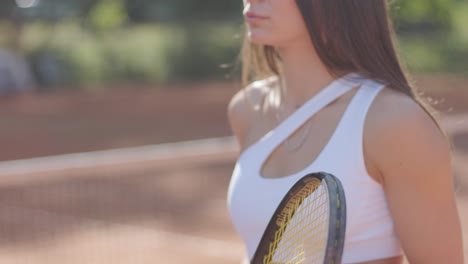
[[292, 147], [295, 146]]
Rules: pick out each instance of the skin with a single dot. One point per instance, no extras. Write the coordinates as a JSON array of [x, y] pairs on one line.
[[404, 150]]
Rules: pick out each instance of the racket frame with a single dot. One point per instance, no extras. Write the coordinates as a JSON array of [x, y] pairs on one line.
[[337, 218]]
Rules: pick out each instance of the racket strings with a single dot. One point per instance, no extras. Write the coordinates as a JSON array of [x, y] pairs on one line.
[[287, 221], [286, 218], [303, 231], [308, 229]]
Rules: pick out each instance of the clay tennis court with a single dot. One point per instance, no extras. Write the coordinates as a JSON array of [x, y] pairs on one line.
[[141, 201]]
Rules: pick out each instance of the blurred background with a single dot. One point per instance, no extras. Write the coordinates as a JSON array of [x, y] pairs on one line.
[[114, 141]]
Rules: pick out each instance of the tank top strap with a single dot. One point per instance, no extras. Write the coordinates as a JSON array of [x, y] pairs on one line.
[[334, 90], [364, 99], [359, 109], [348, 137]]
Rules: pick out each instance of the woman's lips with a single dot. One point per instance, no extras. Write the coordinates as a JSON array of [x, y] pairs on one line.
[[251, 17]]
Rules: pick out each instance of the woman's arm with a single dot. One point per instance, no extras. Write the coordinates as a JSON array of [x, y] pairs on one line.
[[414, 160]]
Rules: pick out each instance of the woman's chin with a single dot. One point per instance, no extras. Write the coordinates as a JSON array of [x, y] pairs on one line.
[[258, 38]]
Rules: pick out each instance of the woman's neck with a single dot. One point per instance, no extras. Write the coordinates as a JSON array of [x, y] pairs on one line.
[[303, 74]]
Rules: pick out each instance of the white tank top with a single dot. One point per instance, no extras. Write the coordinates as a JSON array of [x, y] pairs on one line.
[[252, 199]]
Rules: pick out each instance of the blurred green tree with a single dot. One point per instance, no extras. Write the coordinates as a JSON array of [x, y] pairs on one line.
[[108, 14], [189, 39], [423, 15], [410, 15]]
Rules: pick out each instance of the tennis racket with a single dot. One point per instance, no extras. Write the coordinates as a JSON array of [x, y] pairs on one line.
[[308, 225]]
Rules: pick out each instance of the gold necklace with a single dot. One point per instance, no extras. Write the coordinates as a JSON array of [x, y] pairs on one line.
[[290, 146]]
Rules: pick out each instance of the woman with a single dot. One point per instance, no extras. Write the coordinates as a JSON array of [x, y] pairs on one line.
[[327, 93]]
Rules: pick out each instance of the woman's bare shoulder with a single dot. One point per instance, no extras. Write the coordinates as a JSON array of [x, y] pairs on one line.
[[245, 103], [414, 158], [396, 122], [394, 111]]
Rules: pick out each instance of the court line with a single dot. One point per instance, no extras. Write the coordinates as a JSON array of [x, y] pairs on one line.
[[92, 159], [214, 146], [148, 237], [166, 151]]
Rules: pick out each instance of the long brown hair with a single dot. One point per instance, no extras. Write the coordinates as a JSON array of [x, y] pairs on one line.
[[348, 36]]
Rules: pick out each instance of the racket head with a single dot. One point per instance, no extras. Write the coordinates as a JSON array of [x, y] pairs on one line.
[[300, 200]]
